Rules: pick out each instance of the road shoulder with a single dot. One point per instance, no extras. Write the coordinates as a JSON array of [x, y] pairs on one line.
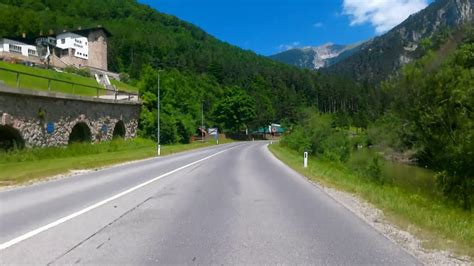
[[376, 219]]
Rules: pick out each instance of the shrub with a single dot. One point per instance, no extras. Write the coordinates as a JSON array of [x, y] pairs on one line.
[[124, 77], [337, 146], [374, 171], [297, 140], [78, 71], [317, 136], [456, 188]]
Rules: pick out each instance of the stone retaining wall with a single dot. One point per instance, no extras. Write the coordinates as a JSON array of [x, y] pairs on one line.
[[46, 119]]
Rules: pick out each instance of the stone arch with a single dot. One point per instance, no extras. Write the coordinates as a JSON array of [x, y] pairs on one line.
[[80, 133], [119, 130], [10, 138]]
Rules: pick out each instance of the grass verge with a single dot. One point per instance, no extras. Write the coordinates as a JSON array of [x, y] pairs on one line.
[[440, 225], [18, 167]]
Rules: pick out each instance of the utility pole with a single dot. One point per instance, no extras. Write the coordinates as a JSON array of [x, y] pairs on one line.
[[158, 116]]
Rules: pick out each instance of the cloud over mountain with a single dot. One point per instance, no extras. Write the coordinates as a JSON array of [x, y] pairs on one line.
[[382, 14]]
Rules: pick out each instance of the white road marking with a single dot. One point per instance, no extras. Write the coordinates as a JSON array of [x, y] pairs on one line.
[[98, 204]]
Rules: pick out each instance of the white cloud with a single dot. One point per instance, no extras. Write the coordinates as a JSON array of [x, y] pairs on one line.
[[382, 14], [286, 47], [318, 24]]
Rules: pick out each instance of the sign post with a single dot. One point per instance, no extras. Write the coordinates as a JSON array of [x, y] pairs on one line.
[[273, 130], [305, 159], [214, 132]]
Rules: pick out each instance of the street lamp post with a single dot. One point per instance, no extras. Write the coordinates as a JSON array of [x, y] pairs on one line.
[[158, 116], [202, 122]]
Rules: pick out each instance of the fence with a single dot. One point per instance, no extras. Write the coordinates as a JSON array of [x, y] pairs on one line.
[[19, 79]]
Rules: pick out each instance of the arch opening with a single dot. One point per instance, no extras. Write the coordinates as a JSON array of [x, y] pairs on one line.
[[80, 133], [10, 138], [119, 130]]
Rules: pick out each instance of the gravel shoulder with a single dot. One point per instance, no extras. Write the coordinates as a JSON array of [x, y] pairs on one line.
[[375, 218]]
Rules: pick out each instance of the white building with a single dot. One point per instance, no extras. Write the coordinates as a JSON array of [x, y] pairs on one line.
[[17, 47], [77, 43], [78, 48]]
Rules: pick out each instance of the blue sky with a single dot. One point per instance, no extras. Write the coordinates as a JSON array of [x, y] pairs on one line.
[[270, 26]]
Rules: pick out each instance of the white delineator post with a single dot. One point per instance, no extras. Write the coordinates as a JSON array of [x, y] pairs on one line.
[[305, 159]]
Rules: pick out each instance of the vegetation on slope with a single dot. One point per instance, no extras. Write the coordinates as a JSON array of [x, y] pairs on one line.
[[430, 113], [145, 40], [62, 82]]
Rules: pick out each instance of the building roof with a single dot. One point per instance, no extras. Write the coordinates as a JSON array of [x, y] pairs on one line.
[[82, 32], [85, 32], [27, 40]]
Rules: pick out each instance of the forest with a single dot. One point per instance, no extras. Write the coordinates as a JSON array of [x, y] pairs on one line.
[[145, 40], [426, 111], [238, 89]]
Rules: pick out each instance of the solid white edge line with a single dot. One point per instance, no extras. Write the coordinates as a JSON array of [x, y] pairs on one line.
[[98, 204]]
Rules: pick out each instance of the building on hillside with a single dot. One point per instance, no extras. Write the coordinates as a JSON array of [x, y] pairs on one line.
[[19, 49], [82, 48], [78, 48]]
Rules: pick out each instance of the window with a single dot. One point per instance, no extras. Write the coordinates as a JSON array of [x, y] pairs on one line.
[[63, 41], [14, 48], [32, 52]]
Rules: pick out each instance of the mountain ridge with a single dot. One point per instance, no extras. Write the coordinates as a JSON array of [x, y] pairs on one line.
[[380, 57], [386, 54], [313, 57]]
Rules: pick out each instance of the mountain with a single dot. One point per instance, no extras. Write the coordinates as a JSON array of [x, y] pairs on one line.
[[315, 57], [385, 55]]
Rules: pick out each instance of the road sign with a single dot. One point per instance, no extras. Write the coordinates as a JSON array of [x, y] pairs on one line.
[[274, 129], [50, 127], [213, 131]]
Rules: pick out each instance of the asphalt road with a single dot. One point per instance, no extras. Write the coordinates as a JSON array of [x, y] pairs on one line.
[[231, 204]]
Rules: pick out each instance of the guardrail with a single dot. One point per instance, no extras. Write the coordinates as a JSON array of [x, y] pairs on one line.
[[70, 88]]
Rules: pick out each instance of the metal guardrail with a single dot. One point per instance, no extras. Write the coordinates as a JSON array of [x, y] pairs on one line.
[[73, 85]]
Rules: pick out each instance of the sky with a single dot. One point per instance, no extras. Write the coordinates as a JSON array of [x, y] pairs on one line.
[[271, 26]]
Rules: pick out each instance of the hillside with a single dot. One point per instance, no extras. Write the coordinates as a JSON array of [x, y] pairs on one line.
[[384, 55], [143, 37], [315, 57]]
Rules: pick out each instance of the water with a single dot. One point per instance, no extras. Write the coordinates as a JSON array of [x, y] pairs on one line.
[[411, 177]]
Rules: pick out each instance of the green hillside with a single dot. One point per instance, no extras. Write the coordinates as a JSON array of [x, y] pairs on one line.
[[37, 79], [145, 40], [62, 83]]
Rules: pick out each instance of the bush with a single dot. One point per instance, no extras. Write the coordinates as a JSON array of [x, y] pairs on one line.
[[317, 136], [374, 171], [337, 147], [124, 77], [388, 131], [359, 140], [78, 71], [457, 189], [297, 140]]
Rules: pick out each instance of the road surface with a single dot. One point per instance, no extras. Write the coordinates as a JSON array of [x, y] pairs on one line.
[[230, 204]]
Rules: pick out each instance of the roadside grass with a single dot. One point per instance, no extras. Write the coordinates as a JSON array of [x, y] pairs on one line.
[[438, 224], [23, 166], [35, 83]]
